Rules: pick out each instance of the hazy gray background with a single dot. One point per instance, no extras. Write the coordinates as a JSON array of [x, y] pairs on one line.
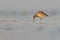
[[29, 4], [16, 20]]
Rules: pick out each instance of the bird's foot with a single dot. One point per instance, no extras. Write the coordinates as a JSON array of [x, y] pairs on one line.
[[41, 23]]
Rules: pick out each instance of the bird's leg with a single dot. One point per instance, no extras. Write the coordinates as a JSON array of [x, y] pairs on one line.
[[41, 21]]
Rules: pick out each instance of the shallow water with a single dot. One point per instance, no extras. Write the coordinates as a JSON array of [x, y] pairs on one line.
[[22, 28]]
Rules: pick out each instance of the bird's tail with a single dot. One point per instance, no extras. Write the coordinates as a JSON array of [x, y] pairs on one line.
[[47, 15]]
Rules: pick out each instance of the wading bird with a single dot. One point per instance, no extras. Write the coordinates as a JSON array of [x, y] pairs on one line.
[[39, 14]]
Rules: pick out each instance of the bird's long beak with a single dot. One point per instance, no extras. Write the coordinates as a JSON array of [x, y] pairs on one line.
[[48, 16], [33, 19]]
